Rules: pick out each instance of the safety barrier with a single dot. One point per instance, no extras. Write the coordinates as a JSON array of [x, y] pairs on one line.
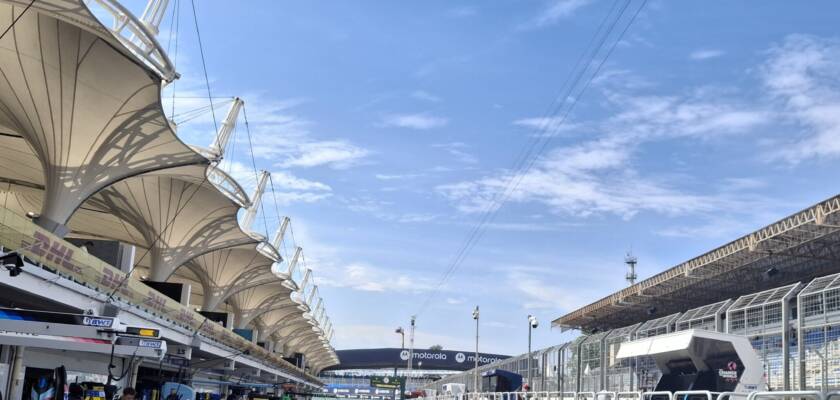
[[657, 395], [63, 258], [730, 395], [679, 395], [793, 394], [695, 394]]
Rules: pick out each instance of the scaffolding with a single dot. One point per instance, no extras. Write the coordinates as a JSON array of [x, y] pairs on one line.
[[620, 374], [819, 333], [647, 373], [709, 317], [761, 317], [803, 355], [591, 361]]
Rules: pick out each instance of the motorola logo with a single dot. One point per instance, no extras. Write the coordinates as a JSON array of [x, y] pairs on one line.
[[404, 355], [460, 357]]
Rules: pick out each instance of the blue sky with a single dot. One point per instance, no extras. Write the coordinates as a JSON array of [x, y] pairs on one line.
[[388, 125]]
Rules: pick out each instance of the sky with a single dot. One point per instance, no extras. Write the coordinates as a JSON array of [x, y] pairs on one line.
[[390, 126]]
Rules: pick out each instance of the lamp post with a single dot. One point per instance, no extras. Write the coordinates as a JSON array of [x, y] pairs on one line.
[[532, 324], [401, 331], [475, 369]]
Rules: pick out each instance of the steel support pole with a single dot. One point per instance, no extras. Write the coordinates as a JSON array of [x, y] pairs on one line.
[[17, 374], [529, 353], [603, 346], [786, 344], [476, 389], [800, 344]]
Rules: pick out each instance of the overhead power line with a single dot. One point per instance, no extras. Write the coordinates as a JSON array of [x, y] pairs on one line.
[[527, 159]]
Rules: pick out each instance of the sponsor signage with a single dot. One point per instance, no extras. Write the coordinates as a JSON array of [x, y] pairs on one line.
[[387, 382], [98, 322], [398, 358], [60, 256]]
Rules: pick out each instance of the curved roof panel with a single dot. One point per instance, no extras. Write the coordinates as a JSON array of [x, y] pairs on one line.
[[253, 302], [90, 114], [228, 271]]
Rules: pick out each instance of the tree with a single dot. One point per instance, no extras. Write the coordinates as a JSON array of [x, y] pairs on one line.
[[436, 347]]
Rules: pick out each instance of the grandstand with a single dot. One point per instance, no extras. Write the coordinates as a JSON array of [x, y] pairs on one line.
[[779, 286]]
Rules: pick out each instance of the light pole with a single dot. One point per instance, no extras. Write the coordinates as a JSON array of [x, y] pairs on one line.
[[475, 369], [532, 324], [401, 331], [411, 346]]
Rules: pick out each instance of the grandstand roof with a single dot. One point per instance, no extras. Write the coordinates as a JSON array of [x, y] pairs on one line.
[[796, 248]]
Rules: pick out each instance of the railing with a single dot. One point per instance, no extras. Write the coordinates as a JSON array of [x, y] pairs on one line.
[[136, 37], [66, 260], [687, 394], [796, 394], [730, 395], [657, 395], [792, 394]]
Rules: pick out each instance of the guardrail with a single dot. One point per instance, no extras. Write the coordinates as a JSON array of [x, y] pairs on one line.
[[64, 259], [679, 395]]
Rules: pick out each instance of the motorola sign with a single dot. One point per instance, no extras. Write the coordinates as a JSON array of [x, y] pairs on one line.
[[460, 357], [398, 358]]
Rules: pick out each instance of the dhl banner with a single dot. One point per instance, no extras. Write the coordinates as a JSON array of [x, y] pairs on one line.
[[58, 255]]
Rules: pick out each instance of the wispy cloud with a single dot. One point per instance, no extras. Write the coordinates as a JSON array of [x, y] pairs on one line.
[[281, 135], [337, 154], [457, 150], [425, 96], [368, 278], [598, 176], [397, 177], [462, 11], [383, 210], [555, 11], [361, 336], [286, 180], [581, 180], [802, 75], [289, 188], [418, 121], [548, 126], [705, 54]]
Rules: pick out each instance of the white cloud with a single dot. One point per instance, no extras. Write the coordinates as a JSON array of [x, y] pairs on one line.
[[337, 154], [289, 188], [425, 96], [360, 336], [591, 178], [285, 180], [286, 198], [380, 210], [418, 121], [456, 149], [705, 54], [802, 76], [368, 278], [462, 12], [548, 126], [556, 11], [394, 177], [539, 293]]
